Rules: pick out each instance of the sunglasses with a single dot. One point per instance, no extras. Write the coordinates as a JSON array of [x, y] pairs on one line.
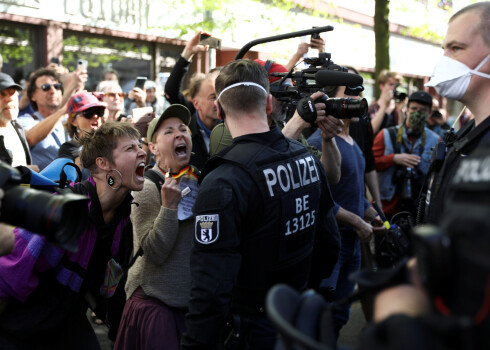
[[89, 113], [114, 94], [47, 87]]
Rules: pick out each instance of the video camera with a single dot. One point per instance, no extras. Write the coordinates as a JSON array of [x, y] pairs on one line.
[[321, 72], [60, 218]]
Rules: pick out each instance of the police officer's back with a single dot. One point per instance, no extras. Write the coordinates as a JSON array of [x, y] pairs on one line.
[[263, 216]]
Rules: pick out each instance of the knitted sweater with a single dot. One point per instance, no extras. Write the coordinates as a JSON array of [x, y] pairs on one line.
[[163, 270]]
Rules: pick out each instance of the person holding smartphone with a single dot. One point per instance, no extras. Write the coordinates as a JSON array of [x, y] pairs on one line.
[[49, 93]]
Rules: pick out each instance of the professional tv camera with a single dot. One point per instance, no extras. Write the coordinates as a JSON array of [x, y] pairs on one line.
[[322, 72], [60, 218]]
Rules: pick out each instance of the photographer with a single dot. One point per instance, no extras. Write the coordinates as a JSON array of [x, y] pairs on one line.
[[44, 289], [402, 156], [388, 109]]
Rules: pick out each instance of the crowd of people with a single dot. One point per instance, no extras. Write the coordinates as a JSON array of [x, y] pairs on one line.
[[213, 195]]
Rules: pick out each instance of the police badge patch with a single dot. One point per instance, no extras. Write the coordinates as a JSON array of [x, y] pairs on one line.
[[207, 228]]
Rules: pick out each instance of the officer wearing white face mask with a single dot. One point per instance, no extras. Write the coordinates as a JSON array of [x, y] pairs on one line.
[[463, 74]]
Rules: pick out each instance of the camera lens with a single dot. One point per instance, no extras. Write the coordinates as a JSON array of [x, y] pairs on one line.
[[345, 108], [60, 218]]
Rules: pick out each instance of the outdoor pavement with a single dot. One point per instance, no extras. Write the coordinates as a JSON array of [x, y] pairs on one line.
[[348, 335]]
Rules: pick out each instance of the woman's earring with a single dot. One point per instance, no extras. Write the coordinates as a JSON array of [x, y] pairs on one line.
[[111, 180]]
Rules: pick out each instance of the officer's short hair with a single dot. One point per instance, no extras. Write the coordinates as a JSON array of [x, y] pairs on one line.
[[386, 74], [484, 10], [243, 98]]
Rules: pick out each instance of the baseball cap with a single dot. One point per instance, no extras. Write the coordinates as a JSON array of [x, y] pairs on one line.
[[6, 82], [83, 101], [175, 110], [421, 97], [274, 68]]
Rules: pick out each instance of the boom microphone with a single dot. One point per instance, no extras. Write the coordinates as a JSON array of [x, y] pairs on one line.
[[336, 78]]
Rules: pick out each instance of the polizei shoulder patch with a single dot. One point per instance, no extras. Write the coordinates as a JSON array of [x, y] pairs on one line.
[[207, 228]]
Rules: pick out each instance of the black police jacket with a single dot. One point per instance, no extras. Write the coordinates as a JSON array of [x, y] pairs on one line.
[[465, 142], [263, 216]]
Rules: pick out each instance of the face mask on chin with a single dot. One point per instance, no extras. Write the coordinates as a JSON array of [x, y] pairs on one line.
[[451, 78]]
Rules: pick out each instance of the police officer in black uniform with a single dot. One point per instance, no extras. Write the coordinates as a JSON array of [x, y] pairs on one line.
[[469, 83], [263, 216]]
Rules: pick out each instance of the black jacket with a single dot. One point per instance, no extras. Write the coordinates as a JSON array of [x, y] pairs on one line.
[[263, 216]]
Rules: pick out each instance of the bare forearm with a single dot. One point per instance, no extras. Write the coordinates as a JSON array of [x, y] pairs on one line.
[[331, 160], [294, 127], [348, 218], [373, 185], [378, 118], [39, 131]]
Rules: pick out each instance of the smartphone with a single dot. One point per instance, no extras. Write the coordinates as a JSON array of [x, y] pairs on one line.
[[83, 63], [207, 39], [55, 60], [140, 82]]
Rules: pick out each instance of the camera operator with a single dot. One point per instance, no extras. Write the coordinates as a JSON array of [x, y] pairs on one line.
[[402, 156], [330, 126], [388, 109], [246, 239], [463, 74]]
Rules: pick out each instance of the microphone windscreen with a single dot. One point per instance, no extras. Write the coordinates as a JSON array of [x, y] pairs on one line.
[[336, 78]]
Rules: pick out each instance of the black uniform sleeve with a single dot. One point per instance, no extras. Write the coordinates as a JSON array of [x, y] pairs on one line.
[[327, 236], [173, 92], [215, 260]]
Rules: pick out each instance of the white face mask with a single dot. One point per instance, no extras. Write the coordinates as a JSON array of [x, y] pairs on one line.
[[451, 78]]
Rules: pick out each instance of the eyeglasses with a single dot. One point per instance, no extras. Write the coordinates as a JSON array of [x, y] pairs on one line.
[[114, 94], [47, 87], [89, 113]]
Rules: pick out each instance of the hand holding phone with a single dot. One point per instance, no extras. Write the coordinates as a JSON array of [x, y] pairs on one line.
[[207, 39], [140, 82], [82, 63]]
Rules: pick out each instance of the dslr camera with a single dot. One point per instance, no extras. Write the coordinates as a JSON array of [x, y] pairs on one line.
[[60, 218], [400, 93]]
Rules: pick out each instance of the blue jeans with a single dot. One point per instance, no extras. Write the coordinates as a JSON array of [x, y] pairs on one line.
[[349, 262]]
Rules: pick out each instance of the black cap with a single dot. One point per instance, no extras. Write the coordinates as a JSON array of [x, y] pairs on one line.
[[421, 97], [175, 110], [6, 82]]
